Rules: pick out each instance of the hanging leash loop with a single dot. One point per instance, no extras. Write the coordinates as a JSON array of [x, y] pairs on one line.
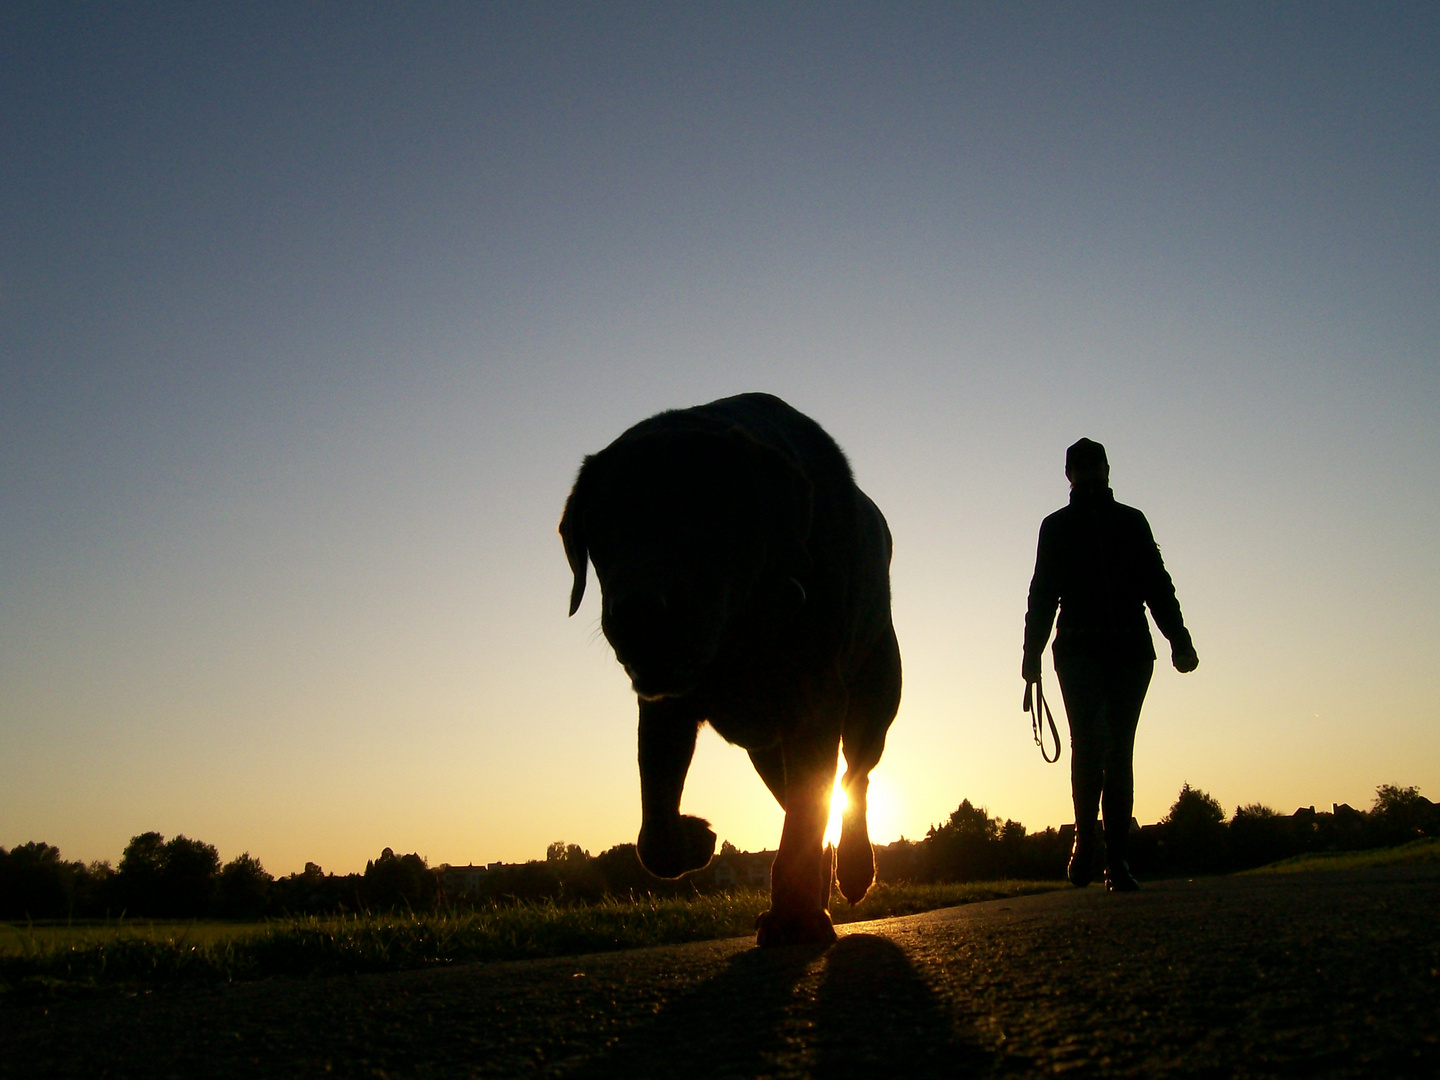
[[1036, 705]]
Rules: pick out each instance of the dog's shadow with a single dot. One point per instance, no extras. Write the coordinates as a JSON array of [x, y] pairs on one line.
[[870, 1015]]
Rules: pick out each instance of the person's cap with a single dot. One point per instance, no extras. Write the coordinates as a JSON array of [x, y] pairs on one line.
[[1085, 454]]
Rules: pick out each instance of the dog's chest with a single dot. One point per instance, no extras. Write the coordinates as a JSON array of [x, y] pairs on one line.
[[754, 710]]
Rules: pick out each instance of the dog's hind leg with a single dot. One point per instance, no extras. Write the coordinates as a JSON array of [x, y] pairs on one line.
[[670, 843], [874, 699]]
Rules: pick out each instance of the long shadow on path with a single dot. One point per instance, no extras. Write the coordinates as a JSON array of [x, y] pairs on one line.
[[875, 1016], [729, 1025], [870, 1015]]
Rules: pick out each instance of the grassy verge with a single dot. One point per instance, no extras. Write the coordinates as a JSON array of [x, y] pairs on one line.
[[1417, 851], [17, 939], [56, 957]]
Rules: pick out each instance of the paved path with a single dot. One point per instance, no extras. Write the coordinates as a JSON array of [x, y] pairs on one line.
[[1305, 975]]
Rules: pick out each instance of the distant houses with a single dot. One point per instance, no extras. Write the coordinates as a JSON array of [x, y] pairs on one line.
[[740, 869], [463, 881]]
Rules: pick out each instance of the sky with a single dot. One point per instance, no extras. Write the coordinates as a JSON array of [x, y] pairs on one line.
[[308, 314]]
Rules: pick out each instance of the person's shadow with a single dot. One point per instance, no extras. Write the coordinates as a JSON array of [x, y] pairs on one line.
[[871, 1015]]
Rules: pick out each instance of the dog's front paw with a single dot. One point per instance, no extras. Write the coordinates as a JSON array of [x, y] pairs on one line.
[[687, 843], [778, 928]]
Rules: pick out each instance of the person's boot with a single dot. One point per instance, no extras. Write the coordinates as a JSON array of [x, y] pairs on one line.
[[1117, 871], [1082, 856], [1119, 879]]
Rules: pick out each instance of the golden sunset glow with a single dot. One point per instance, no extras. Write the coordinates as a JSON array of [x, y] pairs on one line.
[[278, 556], [883, 811], [838, 801]]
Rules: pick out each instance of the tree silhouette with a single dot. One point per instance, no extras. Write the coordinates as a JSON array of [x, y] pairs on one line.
[[189, 878], [35, 883], [621, 874], [1259, 835], [965, 847], [183, 877], [561, 852], [173, 880], [400, 881], [1402, 814], [244, 888], [1195, 831], [140, 874]]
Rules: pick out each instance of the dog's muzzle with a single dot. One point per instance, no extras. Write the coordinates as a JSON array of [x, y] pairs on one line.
[[654, 686]]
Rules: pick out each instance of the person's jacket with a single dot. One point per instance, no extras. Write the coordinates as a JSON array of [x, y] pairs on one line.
[[1098, 562]]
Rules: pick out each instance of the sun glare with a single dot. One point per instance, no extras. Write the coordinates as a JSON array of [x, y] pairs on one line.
[[837, 811], [882, 806]]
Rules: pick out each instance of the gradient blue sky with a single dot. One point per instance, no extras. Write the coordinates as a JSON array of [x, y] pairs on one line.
[[308, 314]]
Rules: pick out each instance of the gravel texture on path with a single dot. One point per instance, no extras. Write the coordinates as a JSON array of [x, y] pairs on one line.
[[1295, 975]]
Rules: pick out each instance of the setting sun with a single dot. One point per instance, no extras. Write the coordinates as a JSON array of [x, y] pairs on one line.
[[882, 811], [837, 811]]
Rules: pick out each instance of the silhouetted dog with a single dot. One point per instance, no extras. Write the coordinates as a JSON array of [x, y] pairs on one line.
[[746, 581]]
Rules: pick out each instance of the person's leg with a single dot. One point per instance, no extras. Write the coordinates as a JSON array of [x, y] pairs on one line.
[[1083, 687], [1126, 684]]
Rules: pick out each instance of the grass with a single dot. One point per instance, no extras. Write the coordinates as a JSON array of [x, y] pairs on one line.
[[1417, 851], [17, 939], [88, 956]]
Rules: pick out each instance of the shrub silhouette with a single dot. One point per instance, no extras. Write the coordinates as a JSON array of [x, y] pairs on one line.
[[94, 889], [973, 846], [1195, 832], [1259, 835], [314, 892], [620, 870]]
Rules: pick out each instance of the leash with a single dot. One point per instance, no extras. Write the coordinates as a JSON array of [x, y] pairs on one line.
[[1035, 707]]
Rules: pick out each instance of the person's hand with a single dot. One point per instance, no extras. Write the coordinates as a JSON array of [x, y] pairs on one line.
[[1030, 672], [1186, 661]]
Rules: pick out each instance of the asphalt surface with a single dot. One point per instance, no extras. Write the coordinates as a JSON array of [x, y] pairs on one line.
[[1299, 975]]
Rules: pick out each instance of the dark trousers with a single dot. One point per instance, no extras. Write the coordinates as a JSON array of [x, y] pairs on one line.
[[1103, 697]]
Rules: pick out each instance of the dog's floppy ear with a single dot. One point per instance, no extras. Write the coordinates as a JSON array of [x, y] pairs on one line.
[[572, 534]]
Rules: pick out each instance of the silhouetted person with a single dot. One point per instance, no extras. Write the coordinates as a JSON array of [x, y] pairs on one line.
[[1098, 562]]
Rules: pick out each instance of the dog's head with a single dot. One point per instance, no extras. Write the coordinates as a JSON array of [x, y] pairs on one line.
[[687, 529]]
